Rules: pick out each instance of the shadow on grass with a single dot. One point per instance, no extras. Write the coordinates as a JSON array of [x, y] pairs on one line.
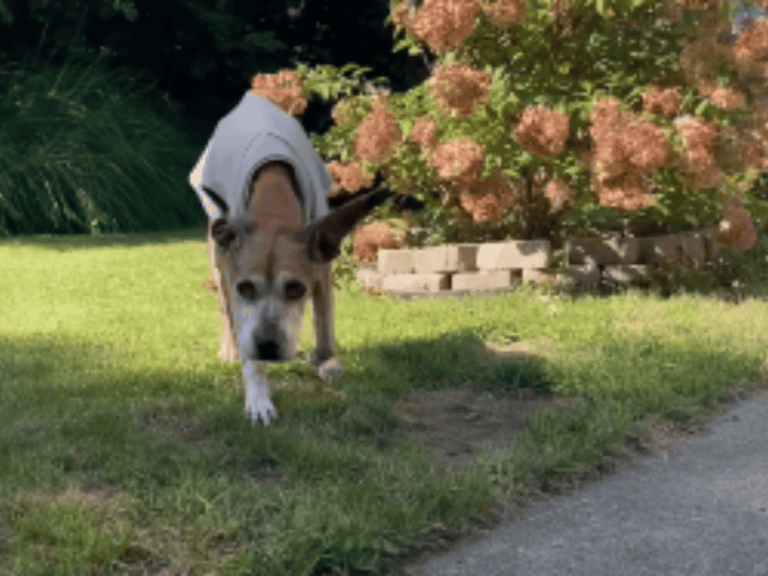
[[62, 392], [72, 413], [70, 406], [450, 360], [67, 242]]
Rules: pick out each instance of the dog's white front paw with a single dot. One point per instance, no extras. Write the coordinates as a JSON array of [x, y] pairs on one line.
[[329, 370], [261, 410], [258, 404]]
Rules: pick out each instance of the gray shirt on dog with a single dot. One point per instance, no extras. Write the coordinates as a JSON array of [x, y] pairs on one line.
[[253, 133]]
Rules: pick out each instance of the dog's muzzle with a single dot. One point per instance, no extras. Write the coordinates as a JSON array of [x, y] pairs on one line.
[[268, 350], [268, 344]]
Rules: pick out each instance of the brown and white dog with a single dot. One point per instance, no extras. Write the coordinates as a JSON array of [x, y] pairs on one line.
[[271, 240], [266, 265]]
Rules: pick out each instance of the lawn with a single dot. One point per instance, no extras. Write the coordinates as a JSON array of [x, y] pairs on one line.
[[124, 445]]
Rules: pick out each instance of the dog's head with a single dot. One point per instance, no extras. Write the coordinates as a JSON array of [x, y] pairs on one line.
[[269, 271]]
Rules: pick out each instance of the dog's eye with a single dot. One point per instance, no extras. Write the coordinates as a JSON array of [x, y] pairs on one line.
[[294, 290], [247, 289]]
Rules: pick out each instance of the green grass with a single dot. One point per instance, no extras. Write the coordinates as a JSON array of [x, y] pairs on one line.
[[120, 425]]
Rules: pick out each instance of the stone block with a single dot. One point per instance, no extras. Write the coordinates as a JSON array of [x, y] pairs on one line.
[[446, 258], [686, 248], [416, 283], [513, 254], [369, 277], [540, 276], [713, 247], [583, 274], [395, 261], [482, 280], [627, 273], [612, 250], [694, 248]]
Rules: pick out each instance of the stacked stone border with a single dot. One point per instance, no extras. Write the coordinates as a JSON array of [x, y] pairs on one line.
[[499, 266]]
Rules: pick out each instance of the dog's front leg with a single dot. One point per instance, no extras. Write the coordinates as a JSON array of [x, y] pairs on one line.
[[258, 405], [323, 356]]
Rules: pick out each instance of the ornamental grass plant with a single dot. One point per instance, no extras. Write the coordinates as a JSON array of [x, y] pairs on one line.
[[85, 149]]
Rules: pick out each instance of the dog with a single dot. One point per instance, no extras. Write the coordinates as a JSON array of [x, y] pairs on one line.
[[271, 240]]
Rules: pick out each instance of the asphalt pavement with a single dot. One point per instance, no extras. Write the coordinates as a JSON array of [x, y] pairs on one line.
[[698, 508]]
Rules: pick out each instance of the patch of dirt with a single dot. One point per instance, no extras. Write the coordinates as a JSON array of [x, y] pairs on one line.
[[456, 424], [99, 499], [187, 428], [659, 435]]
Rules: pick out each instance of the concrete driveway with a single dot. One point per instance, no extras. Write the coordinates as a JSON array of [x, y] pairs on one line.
[[698, 508]]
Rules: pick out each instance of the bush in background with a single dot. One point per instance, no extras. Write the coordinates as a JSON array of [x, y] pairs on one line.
[[81, 150], [553, 119]]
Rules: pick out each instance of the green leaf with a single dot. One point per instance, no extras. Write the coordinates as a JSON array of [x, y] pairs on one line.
[[403, 44], [703, 105]]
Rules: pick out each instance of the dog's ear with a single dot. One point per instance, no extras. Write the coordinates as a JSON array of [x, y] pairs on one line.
[[343, 196], [323, 238]]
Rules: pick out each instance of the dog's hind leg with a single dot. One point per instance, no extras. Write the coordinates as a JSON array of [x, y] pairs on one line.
[[228, 351], [323, 356]]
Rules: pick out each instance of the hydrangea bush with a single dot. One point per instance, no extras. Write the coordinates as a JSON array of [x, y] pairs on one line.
[[551, 118]]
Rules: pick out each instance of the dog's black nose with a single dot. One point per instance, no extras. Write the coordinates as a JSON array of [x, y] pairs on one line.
[[268, 350]]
